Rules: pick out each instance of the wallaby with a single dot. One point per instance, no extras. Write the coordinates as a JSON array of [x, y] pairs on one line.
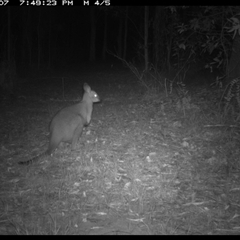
[[68, 123]]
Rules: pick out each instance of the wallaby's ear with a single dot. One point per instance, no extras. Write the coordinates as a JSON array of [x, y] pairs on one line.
[[86, 87]]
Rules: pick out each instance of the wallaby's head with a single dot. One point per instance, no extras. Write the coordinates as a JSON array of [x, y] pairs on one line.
[[90, 95]]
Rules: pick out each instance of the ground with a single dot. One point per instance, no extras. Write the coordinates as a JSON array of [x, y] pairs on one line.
[[150, 162]]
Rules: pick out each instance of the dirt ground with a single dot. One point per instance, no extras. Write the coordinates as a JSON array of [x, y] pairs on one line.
[[150, 162]]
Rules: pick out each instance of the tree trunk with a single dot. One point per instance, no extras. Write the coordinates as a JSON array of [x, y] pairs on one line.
[[156, 34], [125, 34], [104, 39], [233, 68], [119, 41], [92, 56], [49, 41], [9, 36], [146, 10], [39, 39]]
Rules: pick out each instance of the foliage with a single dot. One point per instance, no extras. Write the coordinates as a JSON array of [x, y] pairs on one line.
[[207, 31]]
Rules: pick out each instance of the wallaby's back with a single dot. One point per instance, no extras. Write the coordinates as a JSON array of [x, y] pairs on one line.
[[68, 123]]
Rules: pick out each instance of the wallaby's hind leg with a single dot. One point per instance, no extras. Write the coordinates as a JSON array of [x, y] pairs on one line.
[[76, 135], [53, 143]]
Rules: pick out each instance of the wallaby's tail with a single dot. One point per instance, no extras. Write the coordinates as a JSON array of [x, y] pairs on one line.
[[34, 159]]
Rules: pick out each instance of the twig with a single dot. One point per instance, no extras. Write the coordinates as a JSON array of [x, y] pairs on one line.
[[222, 125]]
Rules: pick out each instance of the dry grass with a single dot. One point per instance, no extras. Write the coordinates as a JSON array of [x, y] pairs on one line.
[[143, 166]]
